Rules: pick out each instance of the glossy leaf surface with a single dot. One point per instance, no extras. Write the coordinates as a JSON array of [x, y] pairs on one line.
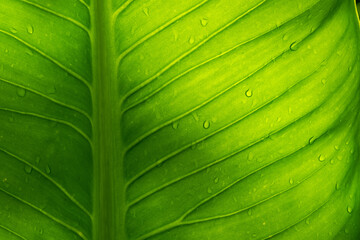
[[162, 119]]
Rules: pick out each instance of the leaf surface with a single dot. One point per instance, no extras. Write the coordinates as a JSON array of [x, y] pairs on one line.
[[179, 120]]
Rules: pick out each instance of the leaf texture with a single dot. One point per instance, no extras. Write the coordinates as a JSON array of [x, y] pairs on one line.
[[182, 120]]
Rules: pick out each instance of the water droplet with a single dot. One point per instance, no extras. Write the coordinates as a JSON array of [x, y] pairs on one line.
[[250, 156], [176, 35], [321, 158], [337, 186], [336, 147], [307, 221], [41, 231], [204, 22], [248, 93], [28, 169], [195, 116], [311, 140], [30, 29], [216, 180], [21, 92], [51, 89], [29, 52], [6, 50], [332, 161], [146, 11], [47, 169], [285, 37], [249, 212], [291, 181], [191, 40], [290, 110], [323, 81], [206, 124], [293, 46], [209, 190], [350, 69], [13, 30], [349, 209], [175, 125]]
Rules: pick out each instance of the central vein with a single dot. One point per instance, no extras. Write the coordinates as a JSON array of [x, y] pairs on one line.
[[108, 220]]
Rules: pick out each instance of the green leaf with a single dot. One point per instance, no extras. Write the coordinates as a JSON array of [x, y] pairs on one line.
[[181, 120]]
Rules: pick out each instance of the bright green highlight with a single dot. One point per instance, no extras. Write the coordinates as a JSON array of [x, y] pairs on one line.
[[181, 120]]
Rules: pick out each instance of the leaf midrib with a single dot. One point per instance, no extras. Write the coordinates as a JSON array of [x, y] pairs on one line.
[[108, 183]]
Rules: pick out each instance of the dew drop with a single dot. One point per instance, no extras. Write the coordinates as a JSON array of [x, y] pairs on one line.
[[195, 116], [336, 147], [206, 124], [51, 89], [175, 125], [191, 40], [13, 30], [349, 209], [337, 186], [285, 37], [29, 52], [250, 156], [37, 160], [6, 50], [30, 29], [307, 221], [321, 158], [350, 69], [248, 93], [209, 190], [291, 181], [204, 22], [249, 212], [311, 140], [28, 169], [293, 46], [146, 11], [47, 169], [21, 92], [323, 81], [176, 35], [41, 231], [332, 161]]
